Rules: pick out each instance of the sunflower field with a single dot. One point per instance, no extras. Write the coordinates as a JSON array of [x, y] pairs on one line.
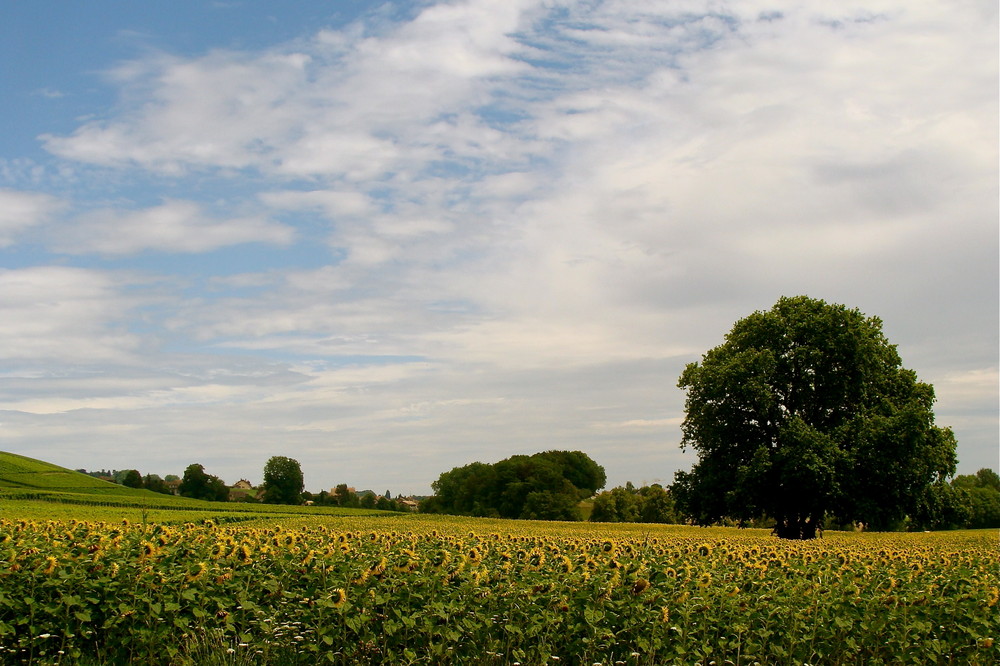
[[437, 590]]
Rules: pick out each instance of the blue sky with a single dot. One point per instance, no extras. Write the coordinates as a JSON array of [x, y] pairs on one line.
[[391, 238]]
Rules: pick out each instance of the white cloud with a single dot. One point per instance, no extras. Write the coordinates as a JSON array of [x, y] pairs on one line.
[[543, 198], [20, 211], [54, 315], [334, 203], [174, 226], [197, 112]]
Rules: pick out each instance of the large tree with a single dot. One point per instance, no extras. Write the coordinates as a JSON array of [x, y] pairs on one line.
[[283, 482], [805, 410]]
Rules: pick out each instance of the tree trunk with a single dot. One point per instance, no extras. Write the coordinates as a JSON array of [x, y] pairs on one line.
[[798, 527]]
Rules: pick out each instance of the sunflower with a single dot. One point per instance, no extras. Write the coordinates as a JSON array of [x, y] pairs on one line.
[[196, 572], [338, 597], [440, 559], [378, 568], [407, 561]]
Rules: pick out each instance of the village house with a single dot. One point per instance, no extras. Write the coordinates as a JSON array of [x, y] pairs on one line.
[[242, 491]]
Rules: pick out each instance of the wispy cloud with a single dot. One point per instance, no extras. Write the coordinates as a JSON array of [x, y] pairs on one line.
[[51, 316], [174, 226], [21, 210]]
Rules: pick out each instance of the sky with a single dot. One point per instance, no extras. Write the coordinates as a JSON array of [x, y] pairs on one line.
[[387, 239]]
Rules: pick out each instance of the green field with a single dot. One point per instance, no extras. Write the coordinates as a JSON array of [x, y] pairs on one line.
[[183, 582]]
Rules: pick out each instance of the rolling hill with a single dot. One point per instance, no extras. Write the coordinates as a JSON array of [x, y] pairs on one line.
[[23, 478], [23, 473]]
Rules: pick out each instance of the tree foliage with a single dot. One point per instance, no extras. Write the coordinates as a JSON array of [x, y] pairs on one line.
[[628, 504], [283, 482], [132, 479], [805, 410], [156, 484], [977, 497], [970, 501], [199, 484], [344, 496], [543, 486]]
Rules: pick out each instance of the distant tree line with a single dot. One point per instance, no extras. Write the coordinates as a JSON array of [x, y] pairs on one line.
[[543, 486], [628, 504], [131, 478], [969, 501], [283, 484], [343, 496]]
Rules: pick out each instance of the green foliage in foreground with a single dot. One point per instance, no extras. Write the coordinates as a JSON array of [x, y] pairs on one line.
[[443, 590]]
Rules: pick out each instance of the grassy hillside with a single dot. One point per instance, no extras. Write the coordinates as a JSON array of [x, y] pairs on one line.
[[23, 473]]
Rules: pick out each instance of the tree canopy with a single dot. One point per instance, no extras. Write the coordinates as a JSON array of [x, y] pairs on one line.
[[283, 483], [628, 504], [805, 410], [132, 479], [970, 500], [543, 486], [199, 484]]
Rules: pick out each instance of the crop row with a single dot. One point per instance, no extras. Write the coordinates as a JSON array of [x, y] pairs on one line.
[[372, 590]]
